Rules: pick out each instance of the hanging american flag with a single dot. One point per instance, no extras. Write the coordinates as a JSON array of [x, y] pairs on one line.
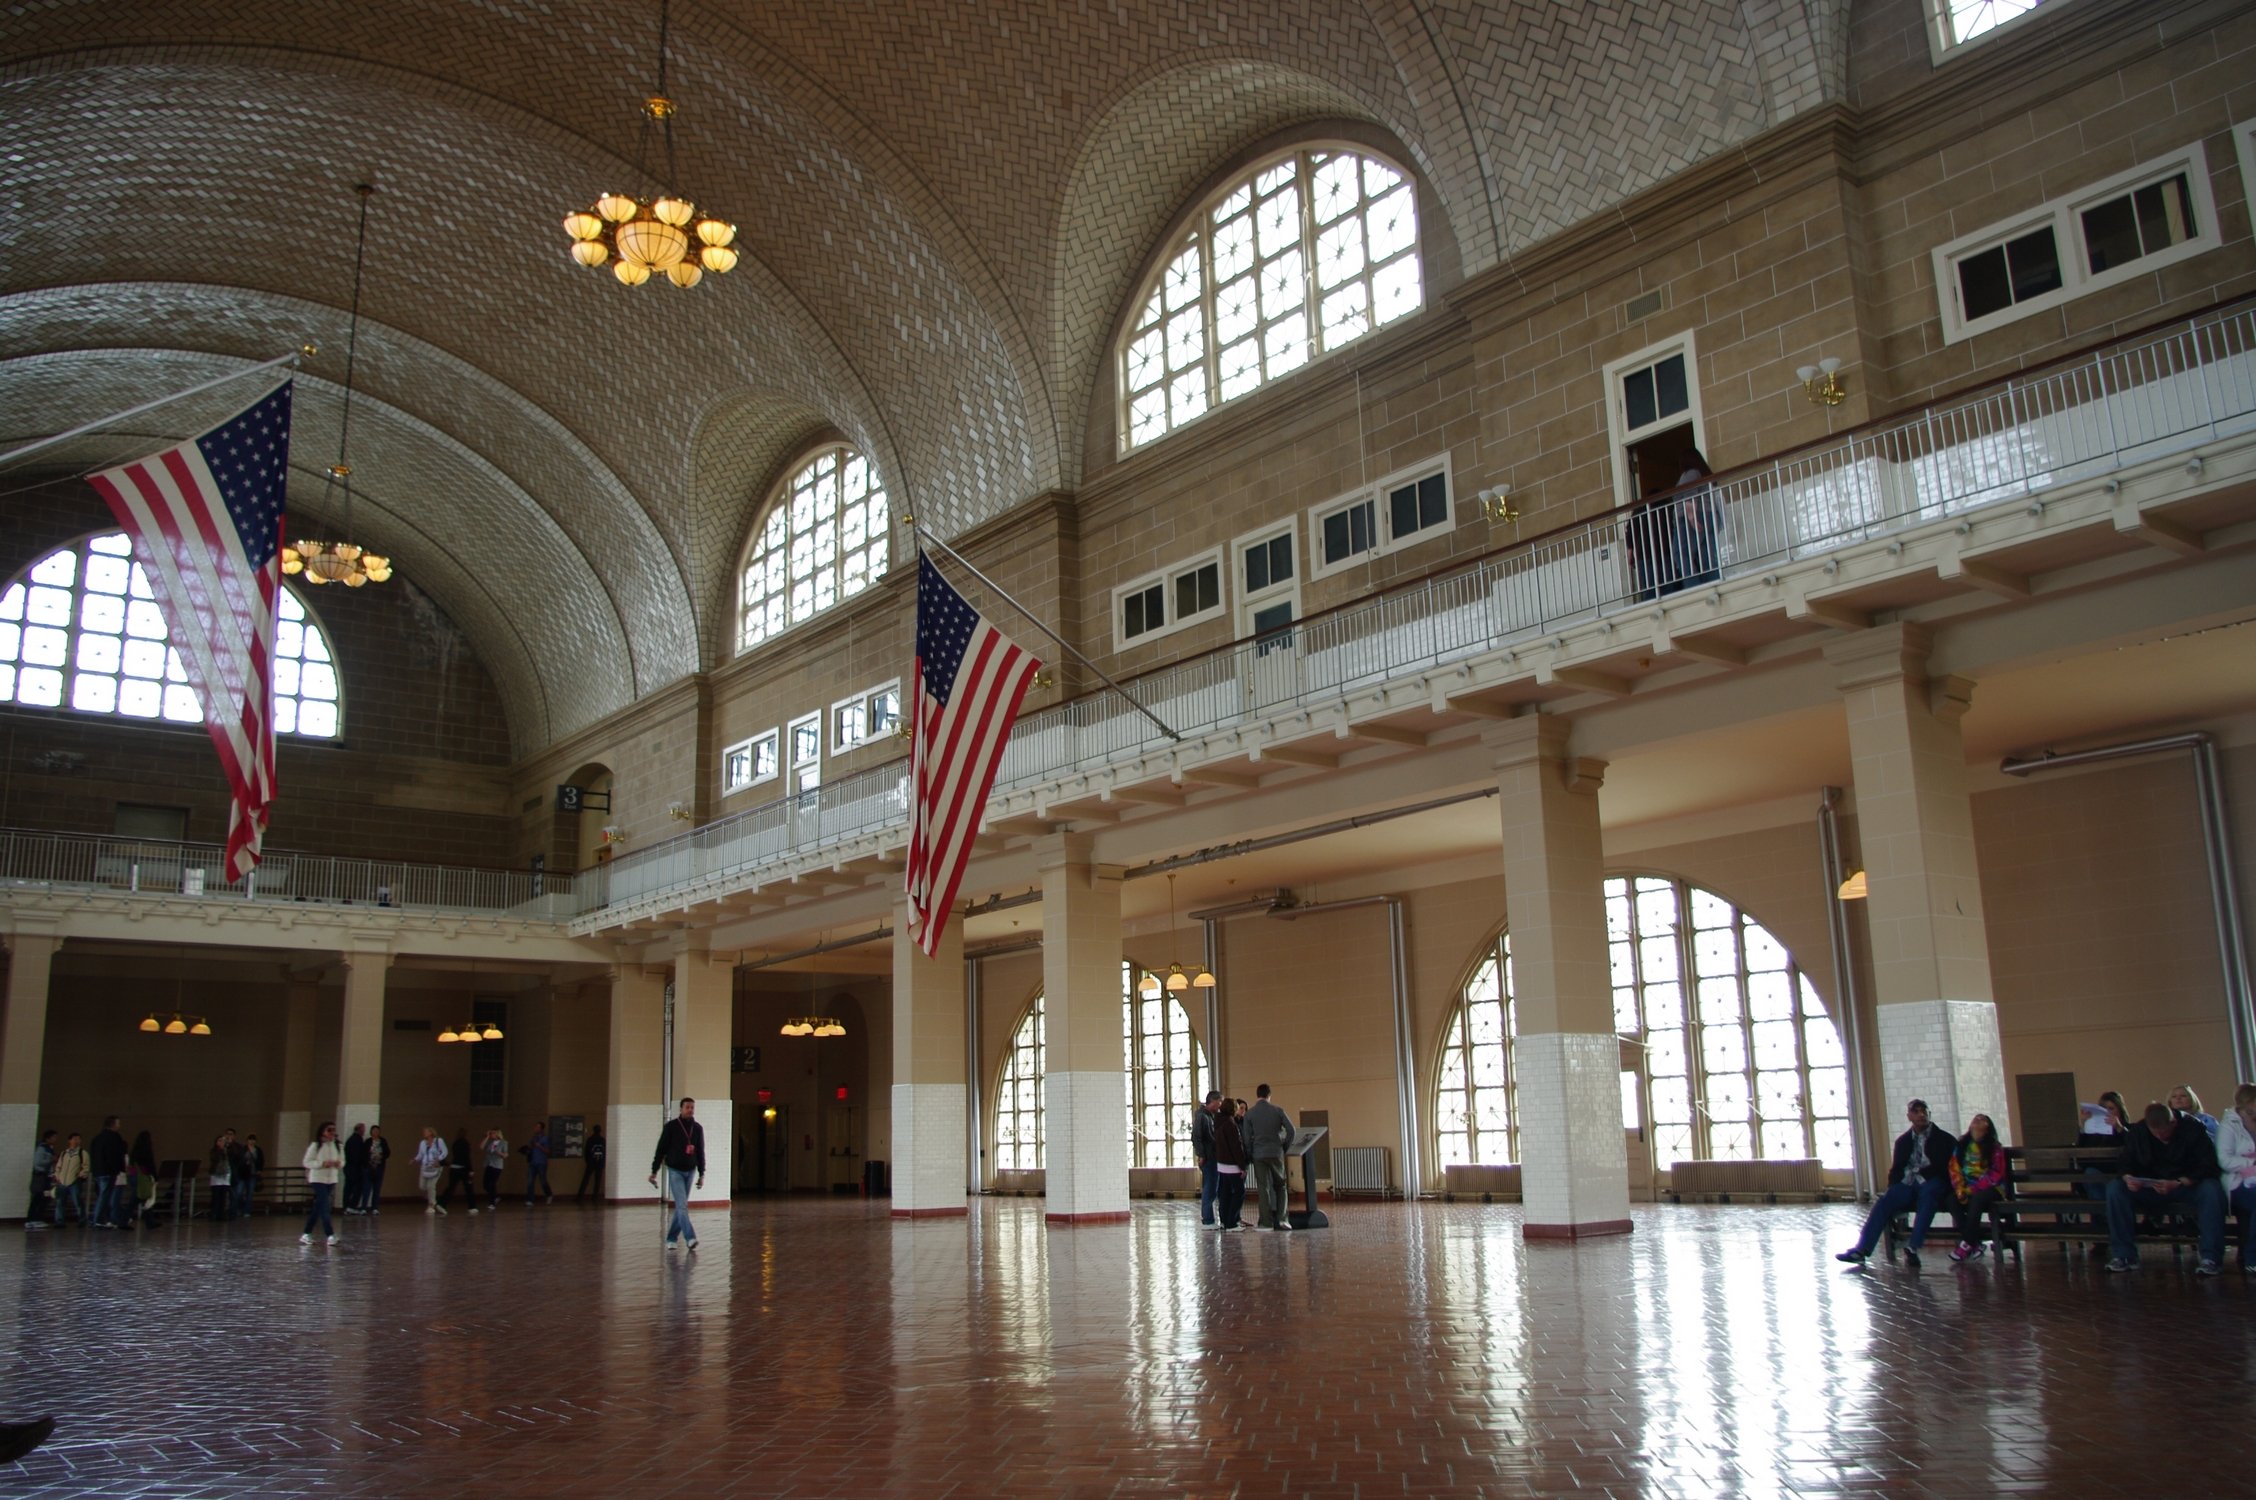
[[970, 680], [206, 522]]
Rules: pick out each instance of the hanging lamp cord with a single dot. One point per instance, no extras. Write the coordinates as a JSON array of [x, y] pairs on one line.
[[352, 348]]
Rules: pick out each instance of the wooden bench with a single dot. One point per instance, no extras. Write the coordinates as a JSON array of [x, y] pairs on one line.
[[1768, 1181], [2056, 1193]]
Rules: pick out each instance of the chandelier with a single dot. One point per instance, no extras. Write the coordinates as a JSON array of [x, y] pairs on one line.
[[639, 236], [320, 562], [813, 1025], [472, 1032], [1177, 981]]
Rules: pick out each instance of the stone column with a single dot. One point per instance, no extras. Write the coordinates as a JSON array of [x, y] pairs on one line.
[[360, 1046], [1574, 1173], [23, 1042], [1084, 1091], [634, 1111], [704, 1030], [293, 1118], [928, 1073], [1938, 1028]]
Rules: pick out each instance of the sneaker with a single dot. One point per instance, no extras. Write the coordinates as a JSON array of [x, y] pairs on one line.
[[431, 1208], [1911, 1259], [442, 1213], [2207, 1268], [332, 1239], [305, 1239], [1854, 1257], [1963, 1251], [473, 1208], [2120, 1264], [37, 1224], [1286, 1225], [693, 1244]]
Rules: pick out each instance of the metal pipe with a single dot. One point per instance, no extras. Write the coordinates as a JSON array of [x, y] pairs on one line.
[[975, 1146], [1300, 835], [873, 935], [134, 411], [1844, 988], [1212, 956], [2217, 848], [1405, 1055]]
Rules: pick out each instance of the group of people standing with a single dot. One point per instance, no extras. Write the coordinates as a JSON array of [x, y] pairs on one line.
[[1232, 1142], [102, 1184]]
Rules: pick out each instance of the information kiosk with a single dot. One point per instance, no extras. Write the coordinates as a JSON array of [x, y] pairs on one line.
[[1304, 1140]]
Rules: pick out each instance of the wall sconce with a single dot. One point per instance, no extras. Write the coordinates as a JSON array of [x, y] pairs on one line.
[[1496, 504], [1818, 382], [614, 834], [678, 810]]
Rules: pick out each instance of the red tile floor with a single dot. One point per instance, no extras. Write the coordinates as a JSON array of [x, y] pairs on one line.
[[817, 1348]]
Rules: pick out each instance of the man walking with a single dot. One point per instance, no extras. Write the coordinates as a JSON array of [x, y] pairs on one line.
[[253, 1168], [379, 1152], [1916, 1182], [458, 1170], [536, 1168], [591, 1165], [356, 1169], [497, 1157], [2169, 1167], [681, 1151], [430, 1165], [106, 1154], [1268, 1130], [43, 1209], [1202, 1150]]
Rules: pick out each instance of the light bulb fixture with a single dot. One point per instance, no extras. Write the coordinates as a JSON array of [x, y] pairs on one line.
[[176, 1026], [1203, 979], [614, 834], [151, 1023], [663, 234], [449, 1035], [492, 1033], [201, 1028], [1147, 988], [320, 562], [1856, 887], [1177, 980], [679, 812], [1496, 504], [1819, 384]]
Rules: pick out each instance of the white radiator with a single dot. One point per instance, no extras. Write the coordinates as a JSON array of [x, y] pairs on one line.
[[1361, 1169]]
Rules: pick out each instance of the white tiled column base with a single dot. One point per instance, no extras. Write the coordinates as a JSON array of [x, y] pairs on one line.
[[1947, 1053], [292, 1129], [718, 1115], [348, 1115], [19, 1132], [1574, 1172], [631, 1133], [1084, 1150], [928, 1150]]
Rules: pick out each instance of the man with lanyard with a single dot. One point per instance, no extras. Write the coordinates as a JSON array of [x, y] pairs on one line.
[[681, 1151], [1916, 1183]]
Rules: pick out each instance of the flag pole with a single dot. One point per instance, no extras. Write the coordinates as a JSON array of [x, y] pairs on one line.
[[924, 536], [135, 411]]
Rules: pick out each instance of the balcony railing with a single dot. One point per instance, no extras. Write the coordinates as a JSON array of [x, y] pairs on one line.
[[76, 862], [2139, 399]]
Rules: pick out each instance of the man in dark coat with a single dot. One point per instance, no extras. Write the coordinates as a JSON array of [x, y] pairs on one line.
[[681, 1151], [1268, 1130], [2169, 1167], [105, 1157], [1917, 1183], [356, 1170], [1202, 1151]]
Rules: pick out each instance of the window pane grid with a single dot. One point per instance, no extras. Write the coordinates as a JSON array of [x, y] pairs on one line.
[[1305, 255], [826, 538], [1018, 1098], [82, 630]]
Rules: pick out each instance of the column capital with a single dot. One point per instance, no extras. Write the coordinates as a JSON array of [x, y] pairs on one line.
[[1539, 739], [1058, 851], [1882, 654], [377, 958], [32, 935]]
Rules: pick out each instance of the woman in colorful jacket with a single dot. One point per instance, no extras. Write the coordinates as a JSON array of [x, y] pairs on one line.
[[1977, 1177]]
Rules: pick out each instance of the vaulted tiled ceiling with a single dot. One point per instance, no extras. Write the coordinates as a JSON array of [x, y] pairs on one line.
[[943, 207]]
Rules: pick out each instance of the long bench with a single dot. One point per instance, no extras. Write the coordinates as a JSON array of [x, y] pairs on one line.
[[2056, 1193]]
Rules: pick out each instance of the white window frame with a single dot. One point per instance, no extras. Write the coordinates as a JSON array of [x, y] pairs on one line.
[[1166, 578], [1618, 431], [866, 701], [1252, 601], [2065, 215], [1943, 40], [806, 775], [2244, 147], [1374, 494], [751, 749]]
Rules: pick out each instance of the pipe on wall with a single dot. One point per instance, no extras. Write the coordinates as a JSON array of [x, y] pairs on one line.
[[1844, 988], [2217, 846], [975, 1145]]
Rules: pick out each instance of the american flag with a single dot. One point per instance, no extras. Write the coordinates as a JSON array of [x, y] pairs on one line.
[[970, 680], [206, 523]]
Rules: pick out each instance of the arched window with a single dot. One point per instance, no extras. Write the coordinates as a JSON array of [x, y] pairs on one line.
[[1741, 1059], [1167, 1073], [1300, 256], [827, 536], [82, 630]]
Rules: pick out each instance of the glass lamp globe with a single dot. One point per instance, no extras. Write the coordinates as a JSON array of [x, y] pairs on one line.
[[631, 272]]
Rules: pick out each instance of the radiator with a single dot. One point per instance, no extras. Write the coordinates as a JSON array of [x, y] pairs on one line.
[[1361, 1169]]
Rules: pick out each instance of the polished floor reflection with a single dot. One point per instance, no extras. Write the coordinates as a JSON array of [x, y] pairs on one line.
[[817, 1348]]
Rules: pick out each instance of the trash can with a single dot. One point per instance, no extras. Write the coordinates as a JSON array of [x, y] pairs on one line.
[[875, 1181]]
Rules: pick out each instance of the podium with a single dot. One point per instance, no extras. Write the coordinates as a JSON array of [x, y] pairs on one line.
[[1310, 1217]]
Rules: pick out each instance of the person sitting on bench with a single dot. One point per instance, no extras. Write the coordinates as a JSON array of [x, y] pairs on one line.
[[2169, 1166], [2236, 1154], [1977, 1178], [1916, 1183]]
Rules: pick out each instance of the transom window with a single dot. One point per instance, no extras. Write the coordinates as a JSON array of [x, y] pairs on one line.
[[1954, 23], [1299, 257], [748, 763], [1167, 1077], [1741, 1059], [826, 538], [82, 630]]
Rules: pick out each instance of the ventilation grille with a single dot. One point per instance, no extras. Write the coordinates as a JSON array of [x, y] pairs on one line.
[[1361, 1169], [1642, 307]]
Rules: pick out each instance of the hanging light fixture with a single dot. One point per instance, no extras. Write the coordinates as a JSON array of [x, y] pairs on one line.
[[638, 237], [472, 1031], [319, 562], [449, 1035], [180, 1024], [1177, 980], [812, 1024]]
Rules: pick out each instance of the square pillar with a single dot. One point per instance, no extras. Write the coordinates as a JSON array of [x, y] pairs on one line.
[[928, 1073], [23, 1043], [1084, 1088], [634, 1110], [1937, 1015], [293, 1118], [360, 1048], [1574, 1170], [704, 1031]]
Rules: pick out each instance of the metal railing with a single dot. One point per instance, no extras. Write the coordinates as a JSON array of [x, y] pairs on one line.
[[66, 861], [2139, 399]]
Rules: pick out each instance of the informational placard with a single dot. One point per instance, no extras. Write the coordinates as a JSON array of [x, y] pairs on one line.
[[567, 1135], [1305, 1138]]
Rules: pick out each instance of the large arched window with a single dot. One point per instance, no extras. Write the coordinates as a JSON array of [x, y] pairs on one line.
[[827, 536], [82, 630], [1300, 256], [1166, 1070], [1741, 1059]]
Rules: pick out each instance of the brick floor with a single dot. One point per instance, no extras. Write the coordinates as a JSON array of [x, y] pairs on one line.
[[815, 1349]]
